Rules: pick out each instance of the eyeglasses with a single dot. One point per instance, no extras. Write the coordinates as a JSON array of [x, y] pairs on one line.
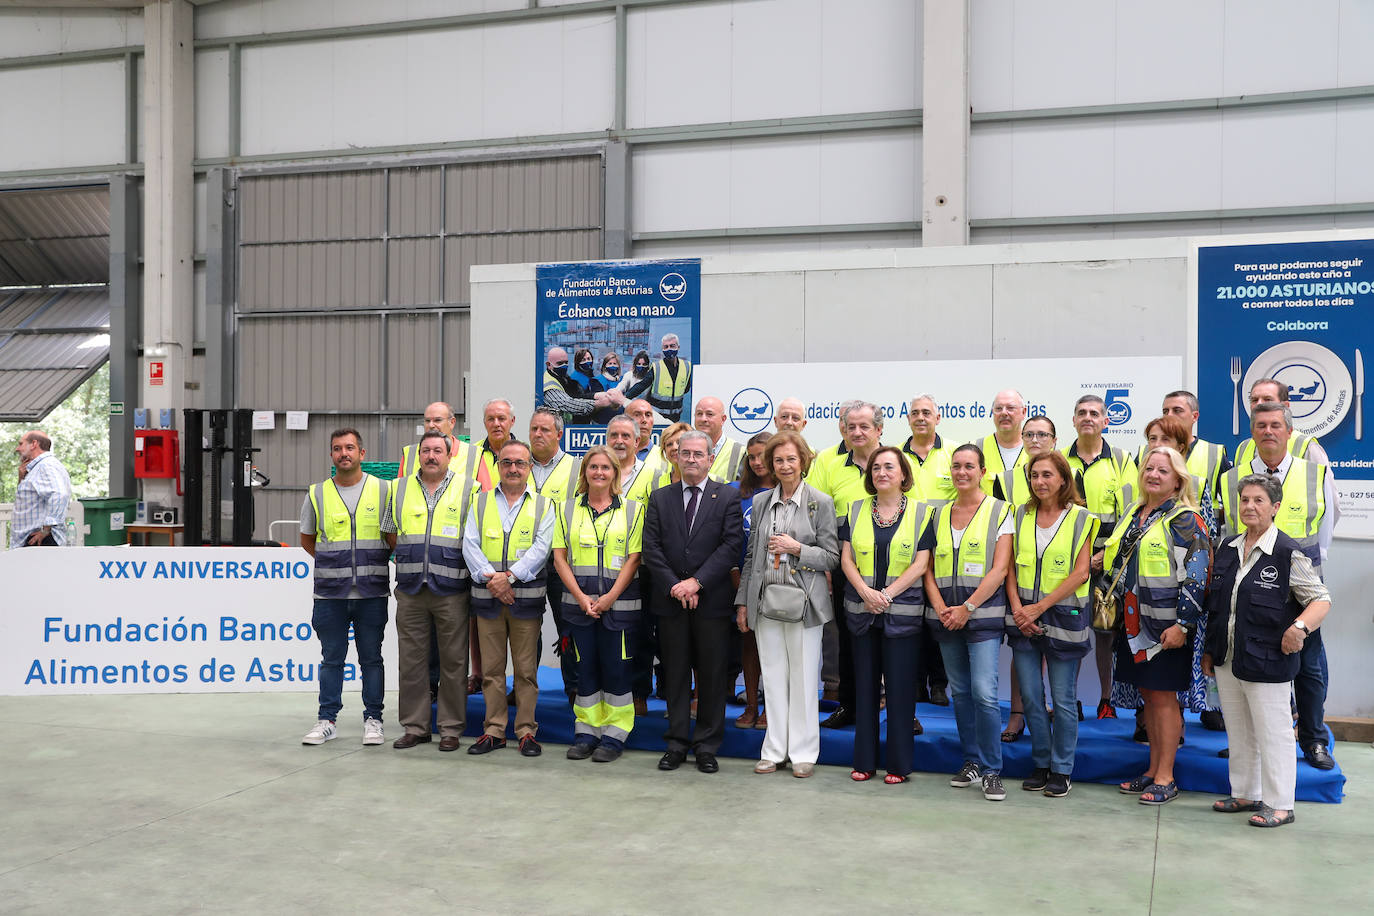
[[513, 463], [1037, 435]]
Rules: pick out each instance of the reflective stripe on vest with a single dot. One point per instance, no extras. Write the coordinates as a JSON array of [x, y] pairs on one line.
[[1301, 511], [728, 461], [960, 570], [349, 550], [502, 548], [667, 392], [1037, 575], [562, 480], [1108, 498], [1158, 565], [597, 555], [429, 543], [1298, 444], [901, 553]]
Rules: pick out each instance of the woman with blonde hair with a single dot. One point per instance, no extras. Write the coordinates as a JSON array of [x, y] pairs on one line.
[[1158, 559], [596, 547]]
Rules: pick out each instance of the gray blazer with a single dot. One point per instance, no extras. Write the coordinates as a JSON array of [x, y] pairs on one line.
[[814, 526]]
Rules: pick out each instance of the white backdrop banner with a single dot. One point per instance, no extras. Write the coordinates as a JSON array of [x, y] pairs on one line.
[[165, 620], [1132, 388]]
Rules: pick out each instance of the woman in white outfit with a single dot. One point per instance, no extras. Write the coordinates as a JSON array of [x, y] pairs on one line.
[[784, 599]]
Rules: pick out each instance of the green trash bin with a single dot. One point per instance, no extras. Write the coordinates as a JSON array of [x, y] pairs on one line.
[[106, 519]]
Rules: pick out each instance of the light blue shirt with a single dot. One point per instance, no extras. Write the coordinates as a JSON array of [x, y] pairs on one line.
[[527, 567], [41, 499]]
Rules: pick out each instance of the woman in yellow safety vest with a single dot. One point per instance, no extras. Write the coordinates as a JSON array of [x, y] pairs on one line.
[[1047, 614], [1039, 437], [966, 593], [1162, 551], [596, 546]]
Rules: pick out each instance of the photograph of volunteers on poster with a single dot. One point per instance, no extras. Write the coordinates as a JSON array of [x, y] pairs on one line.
[[1300, 314], [609, 332]]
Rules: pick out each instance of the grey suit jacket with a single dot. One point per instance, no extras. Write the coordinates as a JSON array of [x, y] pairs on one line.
[[814, 527]]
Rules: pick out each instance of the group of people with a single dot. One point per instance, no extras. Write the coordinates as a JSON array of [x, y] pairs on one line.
[[1172, 566], [584, 389]]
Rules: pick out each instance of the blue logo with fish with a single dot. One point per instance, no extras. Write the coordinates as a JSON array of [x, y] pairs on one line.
[[751, 410]]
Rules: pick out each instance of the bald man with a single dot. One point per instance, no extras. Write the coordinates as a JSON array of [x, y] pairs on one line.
[[439, 417], [563, 394], [709, 417], [790, 415]]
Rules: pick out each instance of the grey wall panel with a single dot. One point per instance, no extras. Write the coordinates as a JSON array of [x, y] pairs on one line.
[[327, 205], [415, 204], [412, 362], [294, 363], [294, 459], [513, 248], [413, 271], [324, 275], [457, 359], [524, 194]]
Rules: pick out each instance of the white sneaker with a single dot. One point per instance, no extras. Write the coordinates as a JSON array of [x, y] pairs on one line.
[[323, 731], [372, 731]]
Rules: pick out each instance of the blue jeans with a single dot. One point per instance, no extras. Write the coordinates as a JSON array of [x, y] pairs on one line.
[[972, 670], [331, 621], [1309, 692], [1052, 744]]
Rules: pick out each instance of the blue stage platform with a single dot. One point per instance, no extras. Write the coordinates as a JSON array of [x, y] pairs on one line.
[[1106, 753]]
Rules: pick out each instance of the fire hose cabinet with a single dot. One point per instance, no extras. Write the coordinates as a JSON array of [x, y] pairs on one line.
[[157, 455]]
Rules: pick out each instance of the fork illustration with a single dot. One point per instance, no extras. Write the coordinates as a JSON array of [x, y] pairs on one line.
[[1235, 395]]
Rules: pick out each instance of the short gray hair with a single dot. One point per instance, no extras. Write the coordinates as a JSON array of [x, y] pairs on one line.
[[1019, 396], [546, 412], [498, 401], [621, 418], [861, 405], [697, 434], [1270, 484], [923, 396], [1273, 407]]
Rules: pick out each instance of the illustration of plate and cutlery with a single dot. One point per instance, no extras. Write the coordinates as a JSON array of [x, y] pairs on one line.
[[1320, 388]]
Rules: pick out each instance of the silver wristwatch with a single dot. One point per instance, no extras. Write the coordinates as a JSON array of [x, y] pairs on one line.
[[1302, 626]]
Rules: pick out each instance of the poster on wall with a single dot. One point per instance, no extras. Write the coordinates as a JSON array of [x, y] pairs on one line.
[[1301, 313], [607, 332], [1132, 388]]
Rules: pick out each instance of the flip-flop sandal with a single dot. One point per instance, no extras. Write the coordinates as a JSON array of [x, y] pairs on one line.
[[892, 779], [1268, 817], [1232, 805], [1159, 794], [1137, 785]]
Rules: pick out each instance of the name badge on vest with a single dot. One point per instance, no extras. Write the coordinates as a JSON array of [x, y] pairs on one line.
[[973, 568], [449, 531], [616, 562]]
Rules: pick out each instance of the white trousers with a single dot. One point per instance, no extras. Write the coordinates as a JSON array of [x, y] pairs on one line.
[[790, 656], [1259, 725]]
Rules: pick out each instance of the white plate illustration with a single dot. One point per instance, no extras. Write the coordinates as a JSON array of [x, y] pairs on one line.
[[1319, 386]]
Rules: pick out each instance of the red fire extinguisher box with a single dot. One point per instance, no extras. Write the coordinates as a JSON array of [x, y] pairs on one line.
[[157, 453]]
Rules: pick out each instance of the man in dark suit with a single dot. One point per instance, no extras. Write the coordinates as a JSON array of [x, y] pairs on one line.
[[693, 534]]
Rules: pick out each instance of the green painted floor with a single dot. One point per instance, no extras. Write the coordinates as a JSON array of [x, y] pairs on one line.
[[194, 803]]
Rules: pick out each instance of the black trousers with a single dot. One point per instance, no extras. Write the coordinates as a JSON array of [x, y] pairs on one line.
[[567, 660], [689, 643], [845, 690], [882, 663]]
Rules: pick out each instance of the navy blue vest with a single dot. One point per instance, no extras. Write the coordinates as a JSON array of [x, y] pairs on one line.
[[1265, 608]]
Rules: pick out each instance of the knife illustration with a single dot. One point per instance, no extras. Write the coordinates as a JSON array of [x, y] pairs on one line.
[[1359, 395]]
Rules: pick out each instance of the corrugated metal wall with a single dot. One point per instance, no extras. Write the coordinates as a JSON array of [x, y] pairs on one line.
[[393, 246]]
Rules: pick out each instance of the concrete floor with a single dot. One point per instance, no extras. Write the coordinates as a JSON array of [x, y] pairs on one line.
[[190, 803]]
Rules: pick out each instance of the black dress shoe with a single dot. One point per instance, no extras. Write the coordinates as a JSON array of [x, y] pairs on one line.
[[604, 753], [671, 760], [410, 739], [529, 747], [843, 717], [706, 762], [938, 696], [449, 743], [1212, 720], [580, 750], [1319, 757], [486, 744]]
